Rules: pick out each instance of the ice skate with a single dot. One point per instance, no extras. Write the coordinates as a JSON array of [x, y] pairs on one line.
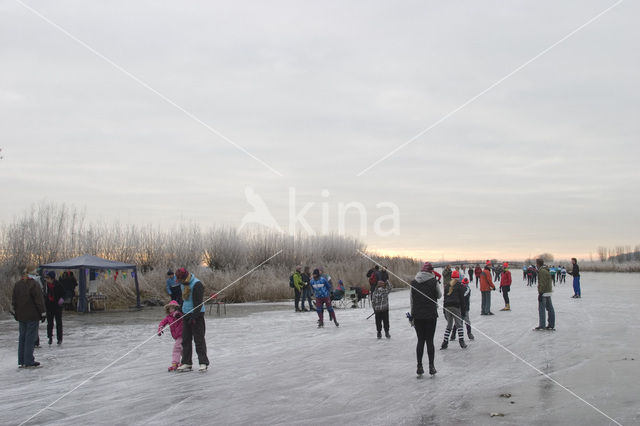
[[173, 367], [469, 332], [183, 368], [203, 368], [462, 343], [432, 369], [420, 370], [445, 344]]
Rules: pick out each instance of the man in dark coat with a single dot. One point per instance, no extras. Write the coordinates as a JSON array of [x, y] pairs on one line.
[[28, 308], [54, 299]]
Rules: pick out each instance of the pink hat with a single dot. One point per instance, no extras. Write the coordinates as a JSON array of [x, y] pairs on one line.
[[427, 267]]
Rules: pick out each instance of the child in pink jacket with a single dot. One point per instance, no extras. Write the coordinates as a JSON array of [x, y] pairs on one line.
[[173, 320]]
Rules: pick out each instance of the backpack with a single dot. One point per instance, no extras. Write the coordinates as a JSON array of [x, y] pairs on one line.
[[291, 281], [373, 278]]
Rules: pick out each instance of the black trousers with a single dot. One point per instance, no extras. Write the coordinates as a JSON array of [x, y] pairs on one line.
[[297, 293], [382, 317], [425, 330], [196, 332], [54, 312], [505, 293]]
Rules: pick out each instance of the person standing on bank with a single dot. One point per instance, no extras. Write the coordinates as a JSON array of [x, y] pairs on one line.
[[424, 294], [575, 273], [193, 327], [54, 299], [486, 287], [28, 308], [306, 289], [505, 286], [173, 287], [545, 288], [297, 287]]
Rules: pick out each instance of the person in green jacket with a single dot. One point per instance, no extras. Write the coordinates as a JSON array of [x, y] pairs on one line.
[[544, 297], [297, 286]]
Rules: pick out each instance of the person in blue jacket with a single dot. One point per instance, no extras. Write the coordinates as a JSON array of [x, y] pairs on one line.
[[322, 291], [173, 287], [193, 326]]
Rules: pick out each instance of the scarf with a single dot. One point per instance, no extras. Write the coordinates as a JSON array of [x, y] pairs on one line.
[[50, 292]]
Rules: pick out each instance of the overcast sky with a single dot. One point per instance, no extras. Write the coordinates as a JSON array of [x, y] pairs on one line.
[[546, 161]]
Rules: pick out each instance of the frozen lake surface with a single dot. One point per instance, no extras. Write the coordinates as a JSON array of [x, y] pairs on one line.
[[272, 366]]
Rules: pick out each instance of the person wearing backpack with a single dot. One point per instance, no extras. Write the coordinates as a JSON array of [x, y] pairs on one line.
[[295, 281]]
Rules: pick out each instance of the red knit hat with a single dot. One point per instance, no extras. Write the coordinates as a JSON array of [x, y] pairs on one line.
[[488, 262], [182, 273], [465, 280], [455, 274], [505, 264], [427, 267]]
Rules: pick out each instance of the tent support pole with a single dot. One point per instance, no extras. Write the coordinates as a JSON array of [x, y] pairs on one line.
[[135, 271]]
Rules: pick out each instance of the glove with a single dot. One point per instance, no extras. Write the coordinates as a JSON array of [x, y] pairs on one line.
[[159, 333], [60, 301], [500, 289], [13, 314], [43, 317], [493, 289]]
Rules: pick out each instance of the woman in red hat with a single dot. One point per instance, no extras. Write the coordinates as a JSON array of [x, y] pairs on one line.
[[454, 305]]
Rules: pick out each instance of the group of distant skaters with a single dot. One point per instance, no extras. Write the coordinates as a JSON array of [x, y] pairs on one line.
[[456, 293]]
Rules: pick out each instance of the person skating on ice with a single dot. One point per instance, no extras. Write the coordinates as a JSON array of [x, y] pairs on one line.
[[27, 302], [467, 304], [53, 300], [322, 290], [545, 288], [380, 304], [575, 273], [486, 287], [172, 319], [425, 292], [454, 304], [505, 286], [193, 324]]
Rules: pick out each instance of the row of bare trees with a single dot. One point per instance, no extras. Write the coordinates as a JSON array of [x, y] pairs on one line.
[[50, 232], [619, 254]]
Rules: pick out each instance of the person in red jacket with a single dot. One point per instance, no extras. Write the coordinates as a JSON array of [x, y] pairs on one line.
[[486, 286], [478, 272], [505, 286]]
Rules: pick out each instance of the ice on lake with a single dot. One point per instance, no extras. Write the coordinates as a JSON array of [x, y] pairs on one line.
[[272, 366]]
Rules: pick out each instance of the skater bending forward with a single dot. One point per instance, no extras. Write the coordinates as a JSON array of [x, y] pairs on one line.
[[175, 325], [322, 291]]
